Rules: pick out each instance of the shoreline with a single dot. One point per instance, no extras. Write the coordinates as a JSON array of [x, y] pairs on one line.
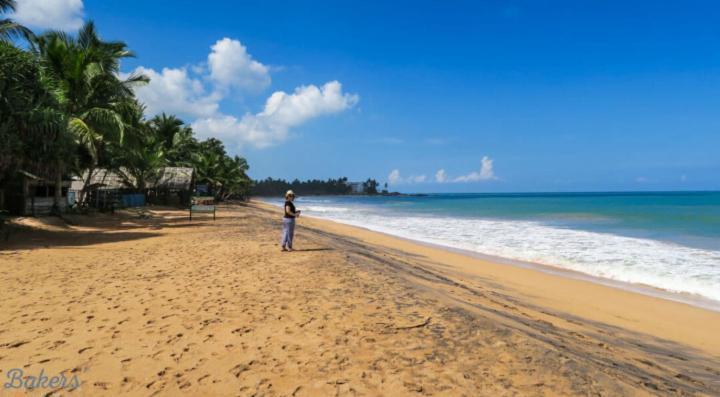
[[579, 296], [149, 302], [643, 289], [693, 300]]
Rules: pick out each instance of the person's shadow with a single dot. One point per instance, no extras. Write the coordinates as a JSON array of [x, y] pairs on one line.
[[312, 249]]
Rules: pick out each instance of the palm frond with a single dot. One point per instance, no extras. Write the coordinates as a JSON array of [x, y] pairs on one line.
[[7, 6], [136, 79], [11, 30], [84, 135], [106, 120]]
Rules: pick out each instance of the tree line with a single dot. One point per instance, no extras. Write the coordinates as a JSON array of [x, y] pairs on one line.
[[278, 187], [66, 111]]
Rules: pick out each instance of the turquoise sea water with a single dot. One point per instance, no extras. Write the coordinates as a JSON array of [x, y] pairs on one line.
[[691, 218], [669, 240]]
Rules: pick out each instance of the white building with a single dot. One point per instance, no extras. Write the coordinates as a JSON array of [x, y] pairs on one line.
[[356, 187]]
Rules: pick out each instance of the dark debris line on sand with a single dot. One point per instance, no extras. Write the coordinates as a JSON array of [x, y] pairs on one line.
[[602, 359], [226, 310]]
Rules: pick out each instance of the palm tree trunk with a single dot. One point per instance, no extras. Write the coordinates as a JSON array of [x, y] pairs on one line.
[[86, 185], [58, 188]]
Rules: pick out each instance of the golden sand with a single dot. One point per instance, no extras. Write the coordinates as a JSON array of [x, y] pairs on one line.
[[156, 305]]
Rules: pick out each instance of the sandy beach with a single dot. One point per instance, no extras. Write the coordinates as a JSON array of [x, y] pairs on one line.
[[150, 304]]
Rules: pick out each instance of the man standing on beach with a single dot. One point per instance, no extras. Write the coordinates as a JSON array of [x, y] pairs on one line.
[[289, 221]]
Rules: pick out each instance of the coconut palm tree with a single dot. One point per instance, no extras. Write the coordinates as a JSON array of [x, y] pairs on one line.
[[9, 29], [234, 180], [208, 163], [225, 175], [167, 127], [178, 140], [33, 128], [141, 156], [91, 92]]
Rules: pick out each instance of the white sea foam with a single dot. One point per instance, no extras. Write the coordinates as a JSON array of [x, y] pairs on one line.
[[664, 265], [323, 209]]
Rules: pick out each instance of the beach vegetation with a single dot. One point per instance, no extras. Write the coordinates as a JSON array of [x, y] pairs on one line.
[[66, 110], [9, 29], [331, 186]]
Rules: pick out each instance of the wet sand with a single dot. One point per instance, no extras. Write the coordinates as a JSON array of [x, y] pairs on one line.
[[156, 305]]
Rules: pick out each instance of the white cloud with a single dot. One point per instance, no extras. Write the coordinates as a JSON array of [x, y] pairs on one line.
[[440, 176], [231, 66], [175, 91], [417, 178], [282, 111], [395, 178], [50, 14], [196, 91], [486, 172]]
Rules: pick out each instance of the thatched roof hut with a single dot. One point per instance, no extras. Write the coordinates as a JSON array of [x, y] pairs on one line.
[[169, 178], [174, 178]]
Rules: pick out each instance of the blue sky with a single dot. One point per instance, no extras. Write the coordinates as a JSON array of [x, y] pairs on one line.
[[554, 96]]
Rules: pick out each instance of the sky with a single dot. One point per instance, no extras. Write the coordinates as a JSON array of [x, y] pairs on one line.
[[433, 96]]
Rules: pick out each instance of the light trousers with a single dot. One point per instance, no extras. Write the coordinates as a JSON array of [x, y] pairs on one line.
[[288, 232]]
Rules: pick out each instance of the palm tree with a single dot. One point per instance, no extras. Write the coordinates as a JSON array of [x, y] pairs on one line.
[[167, 127], [208, 163], [91, 92], [142, 155], [233, 178], [10, 29], [33, 129], [178, 140]]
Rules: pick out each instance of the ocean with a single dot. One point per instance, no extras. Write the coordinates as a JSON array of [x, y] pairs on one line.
[[666, 240]]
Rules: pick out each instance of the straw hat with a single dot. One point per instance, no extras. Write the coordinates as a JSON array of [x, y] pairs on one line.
[[289, 193]]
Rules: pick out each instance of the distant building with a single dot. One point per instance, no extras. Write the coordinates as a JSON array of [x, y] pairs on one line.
[[29, 194], [356, 187], [174, 179], [171, 186]]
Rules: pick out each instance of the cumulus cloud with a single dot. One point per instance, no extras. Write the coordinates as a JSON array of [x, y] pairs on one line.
[[232, 66], [440, 176], [395, 178], [282, 111], [50, 14], [175, 91], [486, 172], [418, 178], [196, 91], [183, 90]]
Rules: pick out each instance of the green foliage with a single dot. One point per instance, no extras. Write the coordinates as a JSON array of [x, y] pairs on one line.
[[141, 155], [85, 70], [278, 187], [65, 108], [33, 134], [177, 139], [226, 176], [9, 29], [370, 186]]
